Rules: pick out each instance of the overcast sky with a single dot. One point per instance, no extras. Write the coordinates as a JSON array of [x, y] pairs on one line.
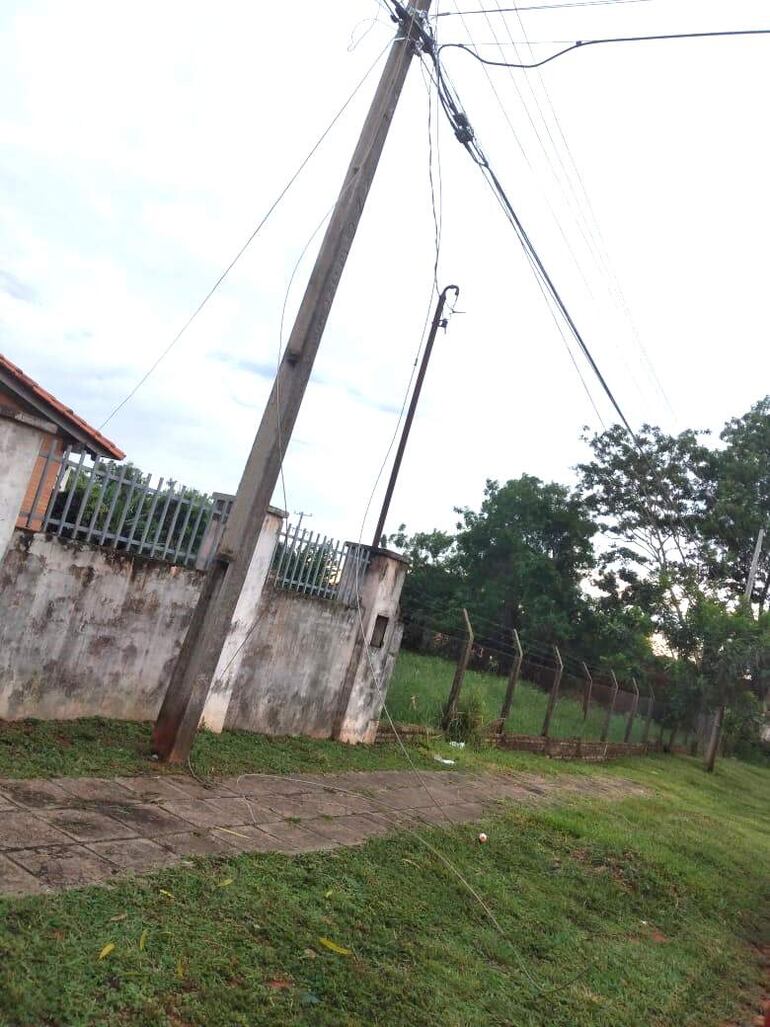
[[142, 144]]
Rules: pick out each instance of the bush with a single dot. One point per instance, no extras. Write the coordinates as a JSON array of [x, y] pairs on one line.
[[467, 725]]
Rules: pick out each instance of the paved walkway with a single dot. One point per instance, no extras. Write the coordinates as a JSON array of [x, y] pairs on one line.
[[70, 832]]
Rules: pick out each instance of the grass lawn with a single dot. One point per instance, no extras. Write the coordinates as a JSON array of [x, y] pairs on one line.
[[639, 913], [420, 685]]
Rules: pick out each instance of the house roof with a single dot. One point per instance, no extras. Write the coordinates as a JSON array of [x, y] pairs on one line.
[[28, 390]]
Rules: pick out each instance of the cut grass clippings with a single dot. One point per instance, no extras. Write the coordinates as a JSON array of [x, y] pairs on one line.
[[636, 913]]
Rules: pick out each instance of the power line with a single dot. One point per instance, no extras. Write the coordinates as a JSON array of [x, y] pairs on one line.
[[547, 7], [581, 44], [592, 223], [247, 243]]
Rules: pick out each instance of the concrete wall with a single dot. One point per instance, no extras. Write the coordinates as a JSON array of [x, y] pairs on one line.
[[306, 669], [85, 631], [299, 646], [19, 449]]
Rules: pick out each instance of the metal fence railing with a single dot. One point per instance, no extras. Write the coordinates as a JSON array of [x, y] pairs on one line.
[[315, 565], [117, 506]]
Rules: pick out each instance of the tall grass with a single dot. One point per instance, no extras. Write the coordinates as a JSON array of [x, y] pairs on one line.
[[420, 685]]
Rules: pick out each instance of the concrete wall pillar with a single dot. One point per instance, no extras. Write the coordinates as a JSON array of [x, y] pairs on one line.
[[379, 637], [19, 448], [246, 611]]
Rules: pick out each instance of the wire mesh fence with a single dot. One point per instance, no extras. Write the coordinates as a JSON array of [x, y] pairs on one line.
[[586, 703]]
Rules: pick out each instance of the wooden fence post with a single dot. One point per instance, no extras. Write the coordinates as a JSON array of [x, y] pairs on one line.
[[650, 711], [610, 708], [632, 714], [513, 680], [457, 682], [554, 693]]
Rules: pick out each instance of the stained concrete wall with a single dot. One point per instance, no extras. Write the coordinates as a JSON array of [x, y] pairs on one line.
[[309, 668], [19, 448], [85, 631]]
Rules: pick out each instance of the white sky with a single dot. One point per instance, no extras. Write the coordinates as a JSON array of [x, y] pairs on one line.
[[141, 145]]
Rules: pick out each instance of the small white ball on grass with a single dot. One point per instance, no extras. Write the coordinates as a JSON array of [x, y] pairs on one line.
[[482, 837]]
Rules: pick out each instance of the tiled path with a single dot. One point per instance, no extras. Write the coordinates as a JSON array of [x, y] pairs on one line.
[[68, 832]]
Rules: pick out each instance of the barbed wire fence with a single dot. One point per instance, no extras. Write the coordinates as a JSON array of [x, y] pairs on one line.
[[515, 687]]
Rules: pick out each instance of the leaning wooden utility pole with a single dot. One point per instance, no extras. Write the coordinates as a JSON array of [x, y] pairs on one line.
[[196, 665]]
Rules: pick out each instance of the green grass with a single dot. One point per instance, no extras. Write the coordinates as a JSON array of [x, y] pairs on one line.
[[94, 747], [636, 913], [420, 685]]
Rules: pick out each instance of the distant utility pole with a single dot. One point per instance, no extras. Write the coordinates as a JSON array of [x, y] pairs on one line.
[[755, 563], [196, 664], [438, 322]]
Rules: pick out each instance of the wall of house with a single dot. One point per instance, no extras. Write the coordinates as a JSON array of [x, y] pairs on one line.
[[85, 631], [19, 449]]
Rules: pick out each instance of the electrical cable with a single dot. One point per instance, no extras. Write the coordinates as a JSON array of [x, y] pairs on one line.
[[582, 44], [266, 217], [586, 215], [551, 7]]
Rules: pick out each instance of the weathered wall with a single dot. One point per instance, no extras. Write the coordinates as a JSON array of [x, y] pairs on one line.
[[87, 632], [298, 651], [19, 448], [305, 668]]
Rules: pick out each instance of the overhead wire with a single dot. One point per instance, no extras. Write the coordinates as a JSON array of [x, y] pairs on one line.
[[603, 250], [466, 136], [261, 224], [584, 43], [585, 217], [551, 7]]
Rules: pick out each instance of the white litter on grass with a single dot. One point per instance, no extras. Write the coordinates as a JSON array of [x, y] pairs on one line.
[[457, 745], [447, 763]]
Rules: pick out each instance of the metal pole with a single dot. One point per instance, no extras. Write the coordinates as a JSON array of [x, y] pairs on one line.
[[457, 681], [438, 322], [650, 711], [610, 708], [632, 714], [554, 693], [513, 680], [193, 672]]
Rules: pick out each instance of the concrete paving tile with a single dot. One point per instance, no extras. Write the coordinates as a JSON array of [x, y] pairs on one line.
[[223, 812], [87, 825], [20, 829], [94, 789], [64, 866], [343, 830], [35, 793], [304, 806], [14, 880], [359, 803], [265, 784], [247, 838], [406, 798], [191, 788], [135, 854], [145, 818], [292, 838], [152, 789], [198, 843]]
